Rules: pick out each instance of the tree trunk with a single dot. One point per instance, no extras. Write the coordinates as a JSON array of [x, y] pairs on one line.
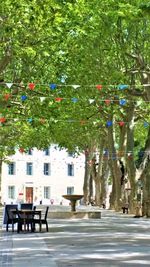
[[121, 155], [87, 176], [0, 182], [147, 191], [86, 181], [91, 192], [97, 192], [144, 176], [98, 173], [115, 169], [104, 181], [130, 161], [96, 179]]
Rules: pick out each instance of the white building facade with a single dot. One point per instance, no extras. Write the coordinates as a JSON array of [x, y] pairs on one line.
[[42, 176]]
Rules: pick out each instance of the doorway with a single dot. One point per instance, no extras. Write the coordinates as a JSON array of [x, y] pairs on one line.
[[29, 194]]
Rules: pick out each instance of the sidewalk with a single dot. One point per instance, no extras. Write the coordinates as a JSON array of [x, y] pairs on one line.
[[114, 240], [24, 249]]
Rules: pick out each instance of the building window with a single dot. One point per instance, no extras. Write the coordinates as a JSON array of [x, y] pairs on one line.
[[70, 190], [47, 192], [47, 152], [11, 192], [70, 170], [29, 152], [29, 168], [47, 169], [70, 154], [11, 168]]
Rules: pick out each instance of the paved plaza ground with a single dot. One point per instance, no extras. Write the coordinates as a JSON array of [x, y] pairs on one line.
[[114, 240]]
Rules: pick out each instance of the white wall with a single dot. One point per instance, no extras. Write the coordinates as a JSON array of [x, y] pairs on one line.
[[58, 180]]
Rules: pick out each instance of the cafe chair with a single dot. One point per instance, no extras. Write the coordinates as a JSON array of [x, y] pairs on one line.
[[24, 220], [20, 220], [26, 206], [10, 217], [42, 221]]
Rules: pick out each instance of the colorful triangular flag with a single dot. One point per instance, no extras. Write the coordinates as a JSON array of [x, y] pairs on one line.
[[9, 85], [52, 86], [31, 86], [122, 102], [42, 98], [123, 86], [91, 101], [74, 100], [75, 86]]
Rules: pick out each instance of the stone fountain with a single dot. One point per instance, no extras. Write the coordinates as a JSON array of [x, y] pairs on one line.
[[73, 199], [82, 212]]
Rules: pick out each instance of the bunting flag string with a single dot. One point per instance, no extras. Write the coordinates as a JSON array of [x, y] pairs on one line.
[[111, 155], [107, 101], [106, 152], [118, 154], [82, 122], [53, 86], [98, 100]]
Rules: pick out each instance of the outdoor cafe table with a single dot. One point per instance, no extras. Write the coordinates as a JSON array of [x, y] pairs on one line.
[[26, 214]]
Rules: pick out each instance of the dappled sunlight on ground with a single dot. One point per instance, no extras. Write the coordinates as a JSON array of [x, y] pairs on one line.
[[114, 240]]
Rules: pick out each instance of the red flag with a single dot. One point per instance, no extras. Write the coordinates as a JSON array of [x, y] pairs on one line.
[[107, 101], [31, 86], [121, 123], [58, 99], [99, 86], [7, 96], [2, 120], [21, 149]]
